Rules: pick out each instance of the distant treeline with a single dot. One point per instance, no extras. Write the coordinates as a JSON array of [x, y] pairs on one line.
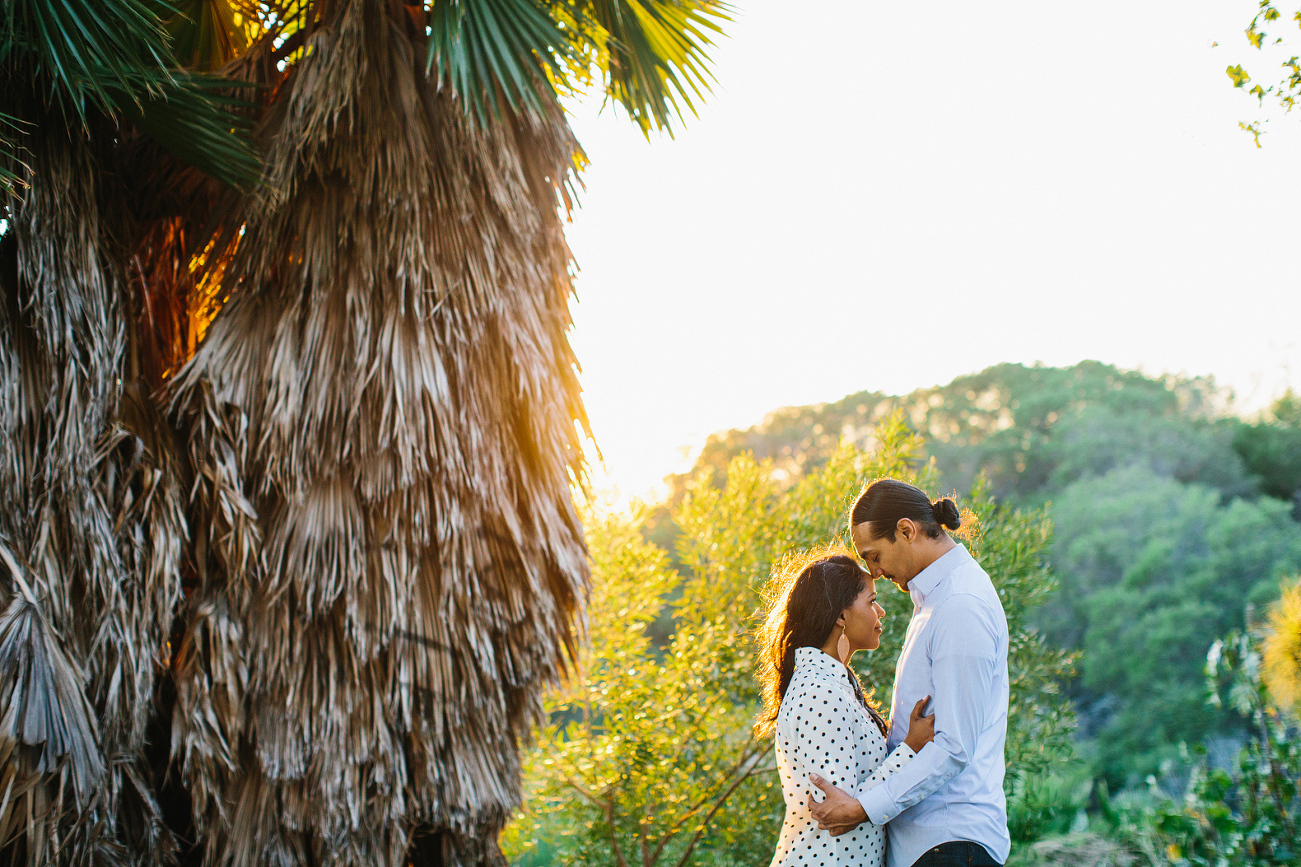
[[1175, 519]]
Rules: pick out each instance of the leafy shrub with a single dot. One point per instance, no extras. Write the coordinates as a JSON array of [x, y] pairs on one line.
[[1048, 805], [1249, 816]]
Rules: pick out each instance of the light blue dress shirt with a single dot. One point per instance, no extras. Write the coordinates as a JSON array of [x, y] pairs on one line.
[[955, 652]]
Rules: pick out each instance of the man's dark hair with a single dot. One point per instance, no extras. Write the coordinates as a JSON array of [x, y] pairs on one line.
[[885, 501]]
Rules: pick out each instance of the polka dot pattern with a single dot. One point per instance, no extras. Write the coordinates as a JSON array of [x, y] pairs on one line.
[[823, 727]]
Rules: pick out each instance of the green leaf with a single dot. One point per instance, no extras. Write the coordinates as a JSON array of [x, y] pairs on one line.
[[194, 125], [84, 48], [495, 50], [655, 54], [113, 57], [205, 35], [10, 133]]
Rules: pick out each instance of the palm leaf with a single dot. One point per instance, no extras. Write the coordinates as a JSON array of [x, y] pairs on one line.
[[83, 48], [113, 58], [208, 34], [12, 169], [486, 48], [381, 422], [89, 497], [654, 53], [195, 123]]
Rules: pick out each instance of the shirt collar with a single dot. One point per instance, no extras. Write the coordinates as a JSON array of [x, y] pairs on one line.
[[815, 657], [925, 582]]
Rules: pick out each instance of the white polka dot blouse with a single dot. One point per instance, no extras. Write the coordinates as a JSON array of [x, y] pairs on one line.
[[823, 727]]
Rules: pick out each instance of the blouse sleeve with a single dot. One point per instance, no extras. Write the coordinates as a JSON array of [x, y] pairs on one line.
[[824, 739], [902, 755]]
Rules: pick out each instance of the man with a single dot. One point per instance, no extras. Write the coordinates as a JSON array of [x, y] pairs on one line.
[[945, 807]]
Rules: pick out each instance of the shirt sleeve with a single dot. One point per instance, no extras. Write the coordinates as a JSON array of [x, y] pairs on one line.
[[824, 740], [963, 658]]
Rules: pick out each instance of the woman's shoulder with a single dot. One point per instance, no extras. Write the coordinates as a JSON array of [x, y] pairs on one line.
[[814, 690], [809, 677]]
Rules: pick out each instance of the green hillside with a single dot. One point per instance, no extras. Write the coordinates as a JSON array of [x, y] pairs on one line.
[[1175, 519]]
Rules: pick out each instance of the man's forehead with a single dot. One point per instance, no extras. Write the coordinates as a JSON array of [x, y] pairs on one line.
[[867, 546]]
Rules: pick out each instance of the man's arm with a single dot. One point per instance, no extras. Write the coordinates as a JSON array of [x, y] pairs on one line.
[[840, 812]]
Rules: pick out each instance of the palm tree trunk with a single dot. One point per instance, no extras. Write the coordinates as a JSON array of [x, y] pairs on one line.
[[91, 530], [382, 426]]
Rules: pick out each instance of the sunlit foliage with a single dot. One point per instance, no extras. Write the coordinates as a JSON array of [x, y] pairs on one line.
[[1281, 655], [1171, 517], [1273, 28], [1032, 430], [1154, 571], [1271, 449]]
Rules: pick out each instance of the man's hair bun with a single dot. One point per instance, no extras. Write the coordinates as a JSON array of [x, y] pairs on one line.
[[886, 502], [946, 513]]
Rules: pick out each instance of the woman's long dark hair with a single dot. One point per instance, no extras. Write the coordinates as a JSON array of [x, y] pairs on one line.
[[884, 502], [806, 596]]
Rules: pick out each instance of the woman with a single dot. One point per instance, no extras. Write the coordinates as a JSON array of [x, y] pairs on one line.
[[822, 610]]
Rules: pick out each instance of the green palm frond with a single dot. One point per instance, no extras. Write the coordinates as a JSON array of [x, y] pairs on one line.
[[113, 58], [193, 121], [654, 53], [487, 48], [208, 34], [84, 49]]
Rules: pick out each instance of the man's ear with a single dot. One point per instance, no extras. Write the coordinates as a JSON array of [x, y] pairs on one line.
[[906, 528]]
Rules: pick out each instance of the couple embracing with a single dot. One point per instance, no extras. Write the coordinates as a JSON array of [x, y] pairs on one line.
[[924, 789]]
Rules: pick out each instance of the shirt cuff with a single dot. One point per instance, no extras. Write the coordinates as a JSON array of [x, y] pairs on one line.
[[876, 801], [878, 806]]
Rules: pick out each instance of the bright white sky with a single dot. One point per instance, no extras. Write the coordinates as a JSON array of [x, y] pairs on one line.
[[886, 195]]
